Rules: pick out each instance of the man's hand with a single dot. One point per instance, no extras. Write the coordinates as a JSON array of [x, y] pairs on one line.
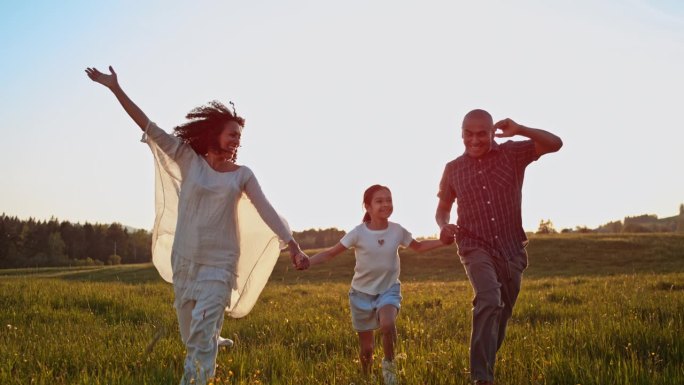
[[508, 128], [448, 234]]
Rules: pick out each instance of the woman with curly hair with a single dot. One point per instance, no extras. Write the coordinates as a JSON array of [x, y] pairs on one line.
[[215, 234]]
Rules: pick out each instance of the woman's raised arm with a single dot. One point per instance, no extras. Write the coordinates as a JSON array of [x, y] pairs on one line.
[[111, 81]]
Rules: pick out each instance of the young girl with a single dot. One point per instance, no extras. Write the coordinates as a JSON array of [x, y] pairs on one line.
[[375, 294]]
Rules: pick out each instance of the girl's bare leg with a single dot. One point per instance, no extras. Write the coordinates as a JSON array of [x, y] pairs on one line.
[[388, 317], [366, 350]]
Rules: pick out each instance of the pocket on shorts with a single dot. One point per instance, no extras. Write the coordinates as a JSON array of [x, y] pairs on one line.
[[391, 296], [360, 301]]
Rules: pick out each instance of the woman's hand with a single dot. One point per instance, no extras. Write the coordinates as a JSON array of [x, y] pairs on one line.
[[110, 81], [301, 261]]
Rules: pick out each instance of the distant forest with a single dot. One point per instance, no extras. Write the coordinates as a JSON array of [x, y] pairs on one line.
[[33, 243]]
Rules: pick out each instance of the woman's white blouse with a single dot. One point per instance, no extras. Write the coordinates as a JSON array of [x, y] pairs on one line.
[[217, 219]]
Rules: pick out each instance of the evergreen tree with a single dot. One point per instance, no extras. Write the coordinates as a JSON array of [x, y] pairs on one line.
[[55, 251]]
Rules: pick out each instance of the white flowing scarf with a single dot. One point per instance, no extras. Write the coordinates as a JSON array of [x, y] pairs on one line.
[[259, 245]]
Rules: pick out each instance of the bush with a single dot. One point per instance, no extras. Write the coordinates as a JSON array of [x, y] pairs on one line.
[[546, 227], [85, 262]]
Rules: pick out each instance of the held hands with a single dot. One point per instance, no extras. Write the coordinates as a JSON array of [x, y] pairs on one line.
[[508, 128], [300, 260], [108, 81], [448, 234]]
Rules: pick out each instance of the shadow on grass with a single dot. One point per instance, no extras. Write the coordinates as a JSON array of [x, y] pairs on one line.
[[130, 274]]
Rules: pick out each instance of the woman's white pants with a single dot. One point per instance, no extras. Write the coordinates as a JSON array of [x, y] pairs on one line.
[[202, 294]]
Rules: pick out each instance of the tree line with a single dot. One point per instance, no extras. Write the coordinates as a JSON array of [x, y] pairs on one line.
[[35, 243], [318, 238]]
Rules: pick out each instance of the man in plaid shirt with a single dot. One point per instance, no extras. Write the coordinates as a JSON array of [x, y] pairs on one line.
[[486, 182]]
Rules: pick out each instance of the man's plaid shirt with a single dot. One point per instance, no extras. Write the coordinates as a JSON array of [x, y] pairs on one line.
[[488, 195]]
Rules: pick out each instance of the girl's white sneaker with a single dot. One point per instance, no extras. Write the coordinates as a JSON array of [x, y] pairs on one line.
[[227, 342], [389, 372]]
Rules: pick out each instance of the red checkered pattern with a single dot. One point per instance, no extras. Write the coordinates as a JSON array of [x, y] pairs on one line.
[[488, 195]]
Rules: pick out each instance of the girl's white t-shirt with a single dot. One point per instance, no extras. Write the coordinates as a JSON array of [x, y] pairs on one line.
[[377, 256]]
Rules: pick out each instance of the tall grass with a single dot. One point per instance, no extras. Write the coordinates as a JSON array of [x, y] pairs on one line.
[[593, 310]]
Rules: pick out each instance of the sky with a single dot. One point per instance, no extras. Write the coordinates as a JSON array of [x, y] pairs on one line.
[[338, 96]]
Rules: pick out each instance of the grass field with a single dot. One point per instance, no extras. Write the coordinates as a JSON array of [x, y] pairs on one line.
[[594, 309]]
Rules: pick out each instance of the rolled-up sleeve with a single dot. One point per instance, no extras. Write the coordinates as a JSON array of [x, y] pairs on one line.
[[524, 152], [446, 189]]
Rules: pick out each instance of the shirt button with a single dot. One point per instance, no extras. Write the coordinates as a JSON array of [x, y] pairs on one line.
[[492, 219], [484, 187], [496, 237], [489, 202], [479, 172]]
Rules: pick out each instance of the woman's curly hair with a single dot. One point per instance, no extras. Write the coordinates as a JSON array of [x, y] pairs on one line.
[[205, 125]]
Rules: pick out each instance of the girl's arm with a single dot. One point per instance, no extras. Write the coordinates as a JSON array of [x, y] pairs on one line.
[[327, 255], [111, 81], [421, 246]]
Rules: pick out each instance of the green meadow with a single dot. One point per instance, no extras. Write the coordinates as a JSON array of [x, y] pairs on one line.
[[594, 309]]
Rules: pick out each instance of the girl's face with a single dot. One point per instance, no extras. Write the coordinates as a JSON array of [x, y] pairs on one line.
[[381, 205], [229, 139]]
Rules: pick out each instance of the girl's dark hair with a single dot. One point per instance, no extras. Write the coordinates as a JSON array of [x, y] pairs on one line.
[[205, 125], [368, 197]]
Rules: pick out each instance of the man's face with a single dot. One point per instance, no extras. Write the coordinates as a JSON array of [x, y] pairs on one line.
[[478, 134]]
